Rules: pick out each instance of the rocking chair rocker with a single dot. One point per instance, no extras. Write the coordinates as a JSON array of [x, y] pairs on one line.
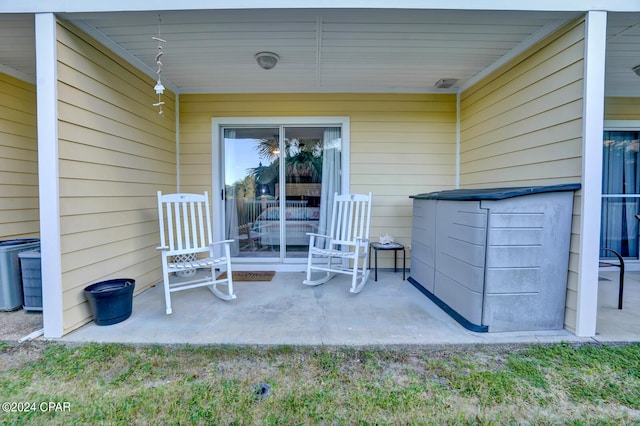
[[187, 245], [347, 241]]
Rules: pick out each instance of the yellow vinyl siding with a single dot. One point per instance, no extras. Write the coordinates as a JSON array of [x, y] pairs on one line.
[[115, 152], [401, 145], [19, 213], [618, 108], [522, 125]]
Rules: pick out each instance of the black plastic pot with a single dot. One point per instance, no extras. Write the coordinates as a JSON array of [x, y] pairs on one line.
[[111, 301]]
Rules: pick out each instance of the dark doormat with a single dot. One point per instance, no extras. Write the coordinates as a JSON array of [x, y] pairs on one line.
[[249, 275]]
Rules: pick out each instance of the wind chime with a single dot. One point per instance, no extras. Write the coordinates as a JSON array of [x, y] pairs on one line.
[[159, 88]]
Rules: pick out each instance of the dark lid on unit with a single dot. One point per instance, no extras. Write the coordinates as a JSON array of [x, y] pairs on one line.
[[18, 241], [493, 193]]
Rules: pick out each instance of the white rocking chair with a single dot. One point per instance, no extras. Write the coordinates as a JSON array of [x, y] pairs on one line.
[[348, 241], [187, 245]]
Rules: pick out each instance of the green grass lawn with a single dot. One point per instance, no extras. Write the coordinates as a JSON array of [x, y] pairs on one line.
[[126, 384]]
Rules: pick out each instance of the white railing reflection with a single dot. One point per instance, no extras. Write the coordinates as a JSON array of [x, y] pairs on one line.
[[250, 210]]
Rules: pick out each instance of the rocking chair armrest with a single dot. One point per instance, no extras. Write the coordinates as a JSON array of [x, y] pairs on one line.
[[318, 235], [221, 242], [363, 241]]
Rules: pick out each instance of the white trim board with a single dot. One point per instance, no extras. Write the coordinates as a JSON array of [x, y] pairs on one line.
[[31, 6], [124, 54], [621, 124], [17, 74], [218, 179], [539, 35]]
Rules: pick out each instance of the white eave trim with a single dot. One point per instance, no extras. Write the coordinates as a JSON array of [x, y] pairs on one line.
[[17, 74], [192, 90], [622, 125], [72, 6], [118, 50], [534, 38]]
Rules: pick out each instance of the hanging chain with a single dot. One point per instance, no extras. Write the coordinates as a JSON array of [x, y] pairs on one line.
[[159, 88]]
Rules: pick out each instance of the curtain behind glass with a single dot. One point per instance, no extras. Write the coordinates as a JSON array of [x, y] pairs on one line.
[[331, 160], [620, 176], [231, 206]]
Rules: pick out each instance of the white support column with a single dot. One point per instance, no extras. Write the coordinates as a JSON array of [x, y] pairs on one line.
[[177, 106], [458, 126], [47, 99], [593, 122]]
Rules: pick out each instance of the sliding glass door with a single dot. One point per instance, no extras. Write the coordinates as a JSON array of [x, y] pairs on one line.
[[620, 193], [250, 175], [279, 183]]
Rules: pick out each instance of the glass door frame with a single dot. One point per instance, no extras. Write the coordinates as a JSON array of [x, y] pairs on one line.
[[631, 264], [218, 179]]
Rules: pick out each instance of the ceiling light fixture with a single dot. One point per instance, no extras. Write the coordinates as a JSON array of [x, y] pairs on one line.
[[636, 69], [445, 83], [267, 60]]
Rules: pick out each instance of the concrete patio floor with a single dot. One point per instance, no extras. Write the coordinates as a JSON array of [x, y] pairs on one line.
[[286, 312], [613, 324]]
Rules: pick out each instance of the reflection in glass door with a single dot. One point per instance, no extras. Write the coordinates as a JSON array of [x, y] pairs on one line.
[[251, 174], [620, 193], [279, 184]]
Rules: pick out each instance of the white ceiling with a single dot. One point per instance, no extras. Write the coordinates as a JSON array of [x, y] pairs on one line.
[[623, 53], [367, 50]]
